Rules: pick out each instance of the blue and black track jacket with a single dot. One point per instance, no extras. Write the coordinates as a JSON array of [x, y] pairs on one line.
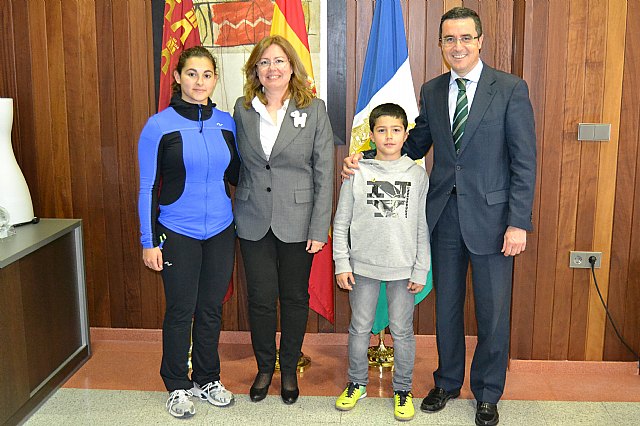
[[187, 155]]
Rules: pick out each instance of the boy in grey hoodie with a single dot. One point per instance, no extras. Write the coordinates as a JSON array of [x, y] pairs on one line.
[[380, 234]]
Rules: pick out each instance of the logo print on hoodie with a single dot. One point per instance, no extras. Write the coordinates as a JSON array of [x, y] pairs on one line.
[[388, 198]]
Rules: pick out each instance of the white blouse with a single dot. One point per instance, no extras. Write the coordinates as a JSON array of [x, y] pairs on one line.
[[268, 129]]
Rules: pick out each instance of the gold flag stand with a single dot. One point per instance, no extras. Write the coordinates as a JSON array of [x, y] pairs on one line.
[[381, 356], [303, 362]]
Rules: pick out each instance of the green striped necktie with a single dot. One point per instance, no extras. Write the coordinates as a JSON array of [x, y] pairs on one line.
[[461, 113]]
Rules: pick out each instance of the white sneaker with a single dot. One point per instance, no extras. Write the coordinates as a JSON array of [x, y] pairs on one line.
[[213, 392], [179, 403]]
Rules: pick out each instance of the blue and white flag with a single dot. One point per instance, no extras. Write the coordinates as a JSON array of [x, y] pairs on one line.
[[386, 78], [387, 75]]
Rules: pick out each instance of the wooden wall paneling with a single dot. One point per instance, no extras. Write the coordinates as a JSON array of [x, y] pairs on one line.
[[7, 53], [243, 302], [631, 328], [632, 318], [136, 277], [75, 108], [550, 156], [623, 277], [527, 58], [434, 65], [520, 36], [488, 14], [230, 308], [41, 109], [116, 161], [61, 174], [142, 106], [612, 48], [470, 325], [101, 155], [76, 89], [417, 24], [420, 42], [571, 321], [569, 315], [106, 274], [629, 321], [505, 27], [450, 4], [595, 31]]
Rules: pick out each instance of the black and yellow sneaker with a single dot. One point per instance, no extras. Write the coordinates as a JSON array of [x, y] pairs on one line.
[[403, 405], [350, 396]]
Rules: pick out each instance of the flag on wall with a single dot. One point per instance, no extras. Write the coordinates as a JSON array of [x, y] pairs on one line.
[[386, 77], [288, 21], [180, 31]]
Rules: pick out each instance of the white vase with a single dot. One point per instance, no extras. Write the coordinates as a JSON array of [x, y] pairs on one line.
[[14, 192]]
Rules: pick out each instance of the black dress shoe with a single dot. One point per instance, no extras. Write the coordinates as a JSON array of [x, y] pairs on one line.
[[487, 414], [260, 387], [289, 388], [437, 399]]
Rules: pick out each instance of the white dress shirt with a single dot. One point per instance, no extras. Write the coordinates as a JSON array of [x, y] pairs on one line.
[[472, 84], [268, 129]]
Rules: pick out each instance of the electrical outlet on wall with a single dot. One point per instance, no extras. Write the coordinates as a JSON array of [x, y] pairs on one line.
[[580, 259]]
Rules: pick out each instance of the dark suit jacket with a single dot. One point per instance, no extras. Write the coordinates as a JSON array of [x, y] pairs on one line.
[[495, 171], [292, 192]]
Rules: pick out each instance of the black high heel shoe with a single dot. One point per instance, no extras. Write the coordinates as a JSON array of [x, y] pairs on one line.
[[260, 386], [289, 388]]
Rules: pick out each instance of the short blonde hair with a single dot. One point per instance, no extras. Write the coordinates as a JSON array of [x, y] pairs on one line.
[[299, 89]]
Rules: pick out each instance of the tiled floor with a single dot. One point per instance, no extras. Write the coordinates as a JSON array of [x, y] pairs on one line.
[[120, 384]]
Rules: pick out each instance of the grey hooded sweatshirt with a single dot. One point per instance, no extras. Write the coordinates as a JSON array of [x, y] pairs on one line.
[[380, 228]]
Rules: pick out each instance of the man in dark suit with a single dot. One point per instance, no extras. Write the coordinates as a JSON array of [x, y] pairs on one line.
[[480, 124]]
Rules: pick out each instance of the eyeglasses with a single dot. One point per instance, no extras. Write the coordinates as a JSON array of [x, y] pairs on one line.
[[266, 63], [464, 40]]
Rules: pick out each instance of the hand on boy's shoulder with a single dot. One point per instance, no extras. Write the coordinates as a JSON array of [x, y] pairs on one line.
[[350, 163]]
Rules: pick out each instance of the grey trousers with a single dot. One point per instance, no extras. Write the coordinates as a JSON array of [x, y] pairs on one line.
[[363, 300]]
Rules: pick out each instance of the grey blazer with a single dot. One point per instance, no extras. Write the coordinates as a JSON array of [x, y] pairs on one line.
[[495, 171], [292, 192]]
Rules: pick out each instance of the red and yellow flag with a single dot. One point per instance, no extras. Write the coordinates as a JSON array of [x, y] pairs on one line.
[[288, 21], [180, 31]]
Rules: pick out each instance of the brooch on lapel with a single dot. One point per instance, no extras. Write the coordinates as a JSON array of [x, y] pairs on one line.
[[299, 120]]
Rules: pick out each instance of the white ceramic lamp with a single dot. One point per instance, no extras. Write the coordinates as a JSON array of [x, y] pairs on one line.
[[14, 192]]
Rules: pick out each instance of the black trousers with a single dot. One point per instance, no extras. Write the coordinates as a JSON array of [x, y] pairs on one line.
[[277, 270], [196, 276]]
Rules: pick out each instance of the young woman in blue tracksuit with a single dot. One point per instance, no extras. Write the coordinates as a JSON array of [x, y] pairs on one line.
[[187, 155]]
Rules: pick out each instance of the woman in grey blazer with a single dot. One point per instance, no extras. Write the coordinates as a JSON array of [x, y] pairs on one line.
[[283, 203]]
